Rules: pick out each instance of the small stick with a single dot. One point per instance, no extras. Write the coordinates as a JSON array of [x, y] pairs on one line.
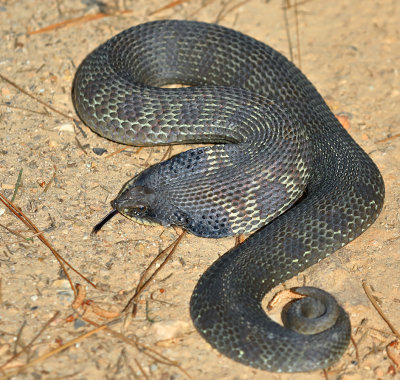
[[356, 349], [117, 151], [388, 138], [80, 296], [286, 294], [18, 338], [80, 146], [141, 369], [146, 163], [51, 179], [167, 153], [144, 282], [378, 309], [107, 314]]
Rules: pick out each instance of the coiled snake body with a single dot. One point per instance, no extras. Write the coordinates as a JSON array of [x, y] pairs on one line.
[[280, 152]]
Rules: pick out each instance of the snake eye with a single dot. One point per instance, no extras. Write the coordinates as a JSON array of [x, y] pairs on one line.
[[136, 210], [140, 209]]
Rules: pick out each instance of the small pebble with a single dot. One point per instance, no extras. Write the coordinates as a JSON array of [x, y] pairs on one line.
[[78, 323], [68, 127], [344, 120], [379, 372], [5, 92], [169, 329], [153, 367], [99, 151], [53, 144], [6, 186], [140, 248], [61, 283]]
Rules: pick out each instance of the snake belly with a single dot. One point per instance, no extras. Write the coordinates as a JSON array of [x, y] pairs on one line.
[[280, 151]]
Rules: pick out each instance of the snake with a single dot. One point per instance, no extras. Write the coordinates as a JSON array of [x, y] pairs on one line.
[[274, 163]]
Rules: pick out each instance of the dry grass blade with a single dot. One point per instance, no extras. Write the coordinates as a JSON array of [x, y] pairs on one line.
[[79, 297], [378, 309], [389, 138], [167, 153], [356, 350], [20, 215], [141, 370], [80, 146], [18, 337], [117, 151], [51, 179], [145, 279]]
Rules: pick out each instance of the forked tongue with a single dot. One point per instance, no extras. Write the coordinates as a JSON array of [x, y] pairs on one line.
[[102, 222]]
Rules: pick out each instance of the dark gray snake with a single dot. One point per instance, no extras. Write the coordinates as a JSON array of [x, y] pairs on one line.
[[281, 152]]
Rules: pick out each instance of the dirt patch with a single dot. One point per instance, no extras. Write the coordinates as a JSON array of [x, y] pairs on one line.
[[349, 50]]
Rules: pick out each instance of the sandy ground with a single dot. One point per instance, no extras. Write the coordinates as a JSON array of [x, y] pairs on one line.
[[349, 50]]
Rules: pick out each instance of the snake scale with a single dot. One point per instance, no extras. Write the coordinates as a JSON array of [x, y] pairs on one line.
[[282, 165]]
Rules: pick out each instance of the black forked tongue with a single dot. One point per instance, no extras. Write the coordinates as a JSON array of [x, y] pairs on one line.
[[102, 222]]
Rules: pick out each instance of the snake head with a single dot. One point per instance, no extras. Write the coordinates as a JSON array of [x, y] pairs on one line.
[[135, 203]]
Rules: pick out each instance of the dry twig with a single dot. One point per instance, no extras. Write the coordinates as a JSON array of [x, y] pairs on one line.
[[145, 279], [378, 309]]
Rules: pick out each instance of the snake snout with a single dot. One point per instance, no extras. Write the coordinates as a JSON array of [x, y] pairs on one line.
[[136, 203], [134, 200]]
